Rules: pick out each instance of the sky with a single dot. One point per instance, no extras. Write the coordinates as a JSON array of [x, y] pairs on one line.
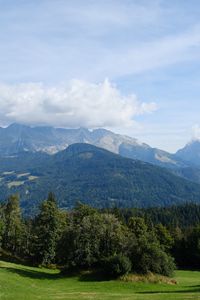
[[131, 66]]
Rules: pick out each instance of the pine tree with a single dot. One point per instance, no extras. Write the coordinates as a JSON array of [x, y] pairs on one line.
[[46, 232], [13, 226]]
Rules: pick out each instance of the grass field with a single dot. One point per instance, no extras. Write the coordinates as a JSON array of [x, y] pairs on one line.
[[21, 282]]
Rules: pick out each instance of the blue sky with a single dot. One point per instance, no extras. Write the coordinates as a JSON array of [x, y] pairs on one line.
[[131, 66]]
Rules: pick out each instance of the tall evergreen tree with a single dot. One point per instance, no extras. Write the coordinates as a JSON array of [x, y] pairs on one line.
[[46, 232], [2, 226], [13, 225]]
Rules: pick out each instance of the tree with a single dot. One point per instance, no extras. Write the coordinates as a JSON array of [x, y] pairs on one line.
[[146, 252], [90, 237], [114, 236], [81, 240], [82, 210], [46, 232], [191, 248], [13, 225], [164, 237], [137, 226], [2, 226], [87, 240], [152, 258]]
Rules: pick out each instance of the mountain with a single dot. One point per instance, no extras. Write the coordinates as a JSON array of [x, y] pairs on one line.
[[94, 176], [190, 153], [17, 138], [152, 155], [189, 173]]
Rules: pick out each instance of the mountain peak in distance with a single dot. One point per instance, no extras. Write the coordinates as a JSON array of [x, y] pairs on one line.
[[17, 138]]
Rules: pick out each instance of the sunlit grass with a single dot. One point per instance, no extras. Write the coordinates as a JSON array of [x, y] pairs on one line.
[[22, 282]]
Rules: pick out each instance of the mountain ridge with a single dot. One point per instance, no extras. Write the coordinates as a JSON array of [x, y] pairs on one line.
[[18, 138], [93, 175], [191, 152]]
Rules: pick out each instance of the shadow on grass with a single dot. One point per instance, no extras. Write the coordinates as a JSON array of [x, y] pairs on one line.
[[94, 276], [33, 274], [84, 276], [193, 289]]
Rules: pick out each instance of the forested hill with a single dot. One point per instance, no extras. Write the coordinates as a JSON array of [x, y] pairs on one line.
[[182, 216], [94, 176]]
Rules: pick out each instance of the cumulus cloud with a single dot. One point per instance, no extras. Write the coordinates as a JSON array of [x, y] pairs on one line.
[[75, 104]]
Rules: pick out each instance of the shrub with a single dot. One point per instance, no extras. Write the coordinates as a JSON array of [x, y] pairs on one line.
[[117, 265], [154, 259]]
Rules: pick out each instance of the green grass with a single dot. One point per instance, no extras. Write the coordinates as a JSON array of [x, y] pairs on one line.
[[22, 282], [14, 183]]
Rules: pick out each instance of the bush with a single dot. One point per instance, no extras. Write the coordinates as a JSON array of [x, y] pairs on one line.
[[154, 259], [117, 265]]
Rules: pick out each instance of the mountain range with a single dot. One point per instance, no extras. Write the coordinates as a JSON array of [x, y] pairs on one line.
[[17, 138], [97, 167]]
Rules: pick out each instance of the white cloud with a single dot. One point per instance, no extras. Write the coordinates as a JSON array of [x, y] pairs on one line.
[[75, 104], [160, 52], [57, 40]]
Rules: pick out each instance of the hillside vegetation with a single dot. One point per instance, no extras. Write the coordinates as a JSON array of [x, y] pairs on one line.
[[94, 176]]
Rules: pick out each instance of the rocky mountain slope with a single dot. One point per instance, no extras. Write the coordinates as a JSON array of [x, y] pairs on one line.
[[17, 138]]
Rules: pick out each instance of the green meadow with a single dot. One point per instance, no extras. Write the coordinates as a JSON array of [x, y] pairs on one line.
[[21, 282]]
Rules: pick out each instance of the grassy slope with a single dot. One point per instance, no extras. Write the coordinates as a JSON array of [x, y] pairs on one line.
[[21, 282]]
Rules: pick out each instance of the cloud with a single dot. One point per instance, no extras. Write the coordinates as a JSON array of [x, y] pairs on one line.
[[157, 53], [75, 104], [91, 40], [196, 132]]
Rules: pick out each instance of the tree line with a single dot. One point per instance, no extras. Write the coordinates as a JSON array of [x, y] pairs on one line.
[[87, 238]]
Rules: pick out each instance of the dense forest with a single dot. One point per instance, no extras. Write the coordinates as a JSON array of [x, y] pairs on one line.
[[116, 241], [94, 176]]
